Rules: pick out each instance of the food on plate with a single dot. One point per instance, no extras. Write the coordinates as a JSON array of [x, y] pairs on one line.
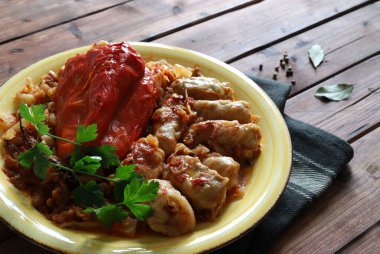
[[170, 121], [109, 141], [222, 110], [203, 88], [172, 213], [204, 187], [109, 86], [147, 157], [225, 166], [228, 138]]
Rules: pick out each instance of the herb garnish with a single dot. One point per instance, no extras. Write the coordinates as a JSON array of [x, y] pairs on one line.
[[131, 190]]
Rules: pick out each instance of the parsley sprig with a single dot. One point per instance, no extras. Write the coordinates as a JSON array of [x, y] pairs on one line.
[[130, 191]]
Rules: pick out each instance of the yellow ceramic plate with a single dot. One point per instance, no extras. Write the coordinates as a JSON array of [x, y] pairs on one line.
[[267, 182]]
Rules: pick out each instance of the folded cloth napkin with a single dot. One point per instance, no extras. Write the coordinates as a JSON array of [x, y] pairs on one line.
[[318, 157]]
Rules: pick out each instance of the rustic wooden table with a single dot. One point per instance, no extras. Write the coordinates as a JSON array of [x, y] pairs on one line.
[[244, 34]]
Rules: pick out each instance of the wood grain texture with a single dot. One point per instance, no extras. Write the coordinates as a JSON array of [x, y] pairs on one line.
[[229, 36], [347, 209], [342, 40], [365, 243], [133, 21], [33, 15], [348, 118]]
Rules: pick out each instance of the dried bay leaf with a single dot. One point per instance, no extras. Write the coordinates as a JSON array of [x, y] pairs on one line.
[[316, 55], [335, 92]]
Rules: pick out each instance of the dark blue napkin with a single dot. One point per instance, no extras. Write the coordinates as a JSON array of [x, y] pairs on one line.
[[318, 157]]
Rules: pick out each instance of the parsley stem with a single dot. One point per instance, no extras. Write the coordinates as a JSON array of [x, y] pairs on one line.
[[62, 167], [63, 139], [95, 175], [81, 172], [23, 131], [67, 169]]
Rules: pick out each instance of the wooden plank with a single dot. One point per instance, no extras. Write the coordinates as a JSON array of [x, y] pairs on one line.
[[132, 21], [348, 208], [229, 36], [350, 33], [369, 242], [348, 118], [33, 15]]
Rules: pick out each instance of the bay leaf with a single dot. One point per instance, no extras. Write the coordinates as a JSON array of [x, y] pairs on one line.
[[316, 55], [335, 92]]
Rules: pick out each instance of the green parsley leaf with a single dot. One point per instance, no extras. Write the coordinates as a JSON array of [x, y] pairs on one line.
[[108, 214], [88, 164], [37, 155], [140, 191], [26, 158], [77, 155], [140, 211], [87, 133], [118, 190], [45, 149], [107, 152], [89, 194], [126, 172], [36, 115]]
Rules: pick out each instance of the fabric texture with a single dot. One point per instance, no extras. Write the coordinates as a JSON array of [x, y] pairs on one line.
[[318, 157]]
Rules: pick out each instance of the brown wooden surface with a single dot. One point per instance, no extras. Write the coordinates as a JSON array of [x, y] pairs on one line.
[[133, 21], [244, 33], [33, 15]]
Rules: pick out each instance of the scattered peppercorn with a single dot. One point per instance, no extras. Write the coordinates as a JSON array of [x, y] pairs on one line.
[[282, 64], [276, 69], [293, 82], [260, 67], [286, 59], [289, 72], [274, 76]]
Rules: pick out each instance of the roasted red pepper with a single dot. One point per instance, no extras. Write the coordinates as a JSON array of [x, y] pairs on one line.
[[134, 113], [96, 87]]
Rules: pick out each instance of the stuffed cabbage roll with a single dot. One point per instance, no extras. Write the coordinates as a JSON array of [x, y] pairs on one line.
[[170, 121], [203, 88], [222, 110], [225, 166], [202, 186], [172, 213], [229, 138], [147, 157]]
